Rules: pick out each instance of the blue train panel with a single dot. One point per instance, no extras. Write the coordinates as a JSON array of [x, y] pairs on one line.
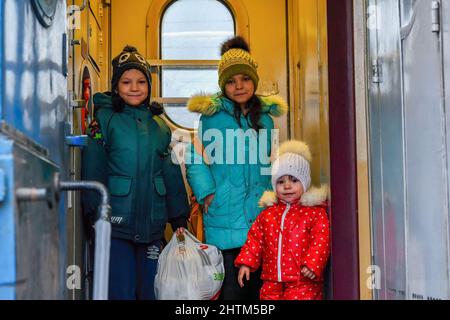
[[31, 247], [33, 108], [34, 85]]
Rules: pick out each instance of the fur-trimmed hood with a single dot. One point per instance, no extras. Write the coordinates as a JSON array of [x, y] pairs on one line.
[[211, 104], [313, 197]]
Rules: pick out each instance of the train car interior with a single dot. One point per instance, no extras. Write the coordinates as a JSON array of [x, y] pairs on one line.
[[367, 84]]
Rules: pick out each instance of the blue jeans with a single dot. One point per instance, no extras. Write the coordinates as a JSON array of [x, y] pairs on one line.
[[132, 270]]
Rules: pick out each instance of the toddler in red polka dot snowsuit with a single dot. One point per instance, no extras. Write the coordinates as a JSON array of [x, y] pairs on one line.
[[290, 238]]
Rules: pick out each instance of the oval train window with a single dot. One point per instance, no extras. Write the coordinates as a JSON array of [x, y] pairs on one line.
[[191, 34]]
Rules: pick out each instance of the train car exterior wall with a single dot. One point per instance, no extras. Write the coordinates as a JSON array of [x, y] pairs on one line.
[[33, 104]]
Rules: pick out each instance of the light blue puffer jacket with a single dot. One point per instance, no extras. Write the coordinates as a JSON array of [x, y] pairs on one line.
[[235, 166]]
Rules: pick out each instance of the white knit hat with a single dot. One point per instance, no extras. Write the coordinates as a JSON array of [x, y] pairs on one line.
[[293, 159]]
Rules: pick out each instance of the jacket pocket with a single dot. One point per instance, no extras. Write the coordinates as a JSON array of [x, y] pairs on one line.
[[119, 186], [160, 186], [121, 198], [220, 203]]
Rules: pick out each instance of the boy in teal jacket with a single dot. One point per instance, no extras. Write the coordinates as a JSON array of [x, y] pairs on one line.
[[129, 152]]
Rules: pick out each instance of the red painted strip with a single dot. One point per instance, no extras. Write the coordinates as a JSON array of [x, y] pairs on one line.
[[344, 219]]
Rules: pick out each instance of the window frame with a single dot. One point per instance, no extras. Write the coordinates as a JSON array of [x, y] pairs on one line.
[[153, 50]]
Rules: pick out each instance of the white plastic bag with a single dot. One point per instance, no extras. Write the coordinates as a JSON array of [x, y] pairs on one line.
[[189, 270]]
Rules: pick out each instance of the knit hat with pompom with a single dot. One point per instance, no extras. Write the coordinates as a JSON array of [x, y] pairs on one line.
[[293, 159], [236, 59]]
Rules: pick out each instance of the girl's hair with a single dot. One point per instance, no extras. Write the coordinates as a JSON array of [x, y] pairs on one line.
[[254, 114]]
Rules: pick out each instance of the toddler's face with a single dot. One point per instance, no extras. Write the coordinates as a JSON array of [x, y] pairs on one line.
[[133, 87], [289, 189]]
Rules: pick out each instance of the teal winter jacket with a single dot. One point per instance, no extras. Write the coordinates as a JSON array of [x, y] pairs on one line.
[[235, 166], [128, 151]]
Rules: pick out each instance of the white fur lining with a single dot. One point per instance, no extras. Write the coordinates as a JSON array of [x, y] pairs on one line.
[[313, 197]]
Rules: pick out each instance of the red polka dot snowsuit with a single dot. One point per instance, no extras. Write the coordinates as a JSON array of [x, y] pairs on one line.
[[286, 238]]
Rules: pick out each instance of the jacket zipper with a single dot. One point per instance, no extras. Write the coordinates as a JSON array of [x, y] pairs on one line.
[[136, 226], [247, 179], [280, 240]]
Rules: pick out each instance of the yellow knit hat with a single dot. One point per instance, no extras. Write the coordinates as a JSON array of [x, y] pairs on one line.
[[236, 59]]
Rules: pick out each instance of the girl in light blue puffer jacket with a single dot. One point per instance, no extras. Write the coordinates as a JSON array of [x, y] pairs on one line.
[[228, 168]]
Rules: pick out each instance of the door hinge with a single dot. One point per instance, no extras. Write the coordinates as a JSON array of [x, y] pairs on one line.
[[377, 71], [435, 17]]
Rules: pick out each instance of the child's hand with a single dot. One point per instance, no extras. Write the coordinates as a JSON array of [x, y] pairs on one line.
[[244, 270], [308, 273], [207, 202], [179, 231]]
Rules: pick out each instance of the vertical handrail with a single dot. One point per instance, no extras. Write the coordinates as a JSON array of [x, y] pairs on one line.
[[102, 235], [102, 225]]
